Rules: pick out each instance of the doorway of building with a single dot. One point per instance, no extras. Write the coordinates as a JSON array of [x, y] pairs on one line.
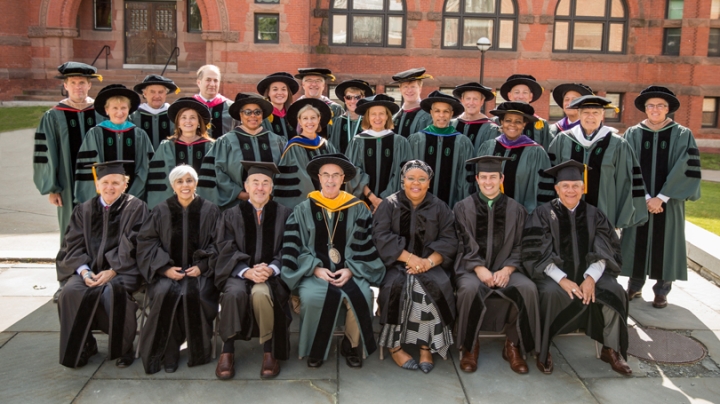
[[150, 32]]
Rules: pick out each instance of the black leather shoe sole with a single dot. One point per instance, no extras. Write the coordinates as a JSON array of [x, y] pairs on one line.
[[314, 363], [124, 361], [171, 368]]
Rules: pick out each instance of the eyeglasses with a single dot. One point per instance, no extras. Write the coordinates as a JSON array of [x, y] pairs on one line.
[[656, 106], [421, 180], [352, 97], [251, 112], [335, 176]]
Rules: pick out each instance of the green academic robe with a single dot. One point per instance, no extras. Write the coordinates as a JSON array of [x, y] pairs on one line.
[[478, 133], [305, 247], [379, 160], [293, 184], [222, 176], [157, 126], [542, 135], [220, 120], [615, 183], [453, 180], [168, 155], [525, 181], [279, 126], [412, 121], [670, 164], [57, 142], [102, 144], [343, 130]]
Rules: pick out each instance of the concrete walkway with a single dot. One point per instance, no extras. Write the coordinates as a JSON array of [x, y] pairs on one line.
[[30, 373]]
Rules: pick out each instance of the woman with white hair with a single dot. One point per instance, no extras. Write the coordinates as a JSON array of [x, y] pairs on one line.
[[309, 116], [176, 255]]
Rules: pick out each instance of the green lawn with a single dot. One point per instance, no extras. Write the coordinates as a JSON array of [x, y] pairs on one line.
[[710, 161], [13, 118], [705, 212]]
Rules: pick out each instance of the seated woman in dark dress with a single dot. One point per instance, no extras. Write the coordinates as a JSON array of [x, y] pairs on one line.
[[176, 254], [414, 233]]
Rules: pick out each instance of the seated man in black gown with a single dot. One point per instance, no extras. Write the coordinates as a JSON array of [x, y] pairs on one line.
[[573, 254], [97, 259], [254, 300]]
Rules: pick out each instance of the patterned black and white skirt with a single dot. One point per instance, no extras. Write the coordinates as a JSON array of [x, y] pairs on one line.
[[420, 322]]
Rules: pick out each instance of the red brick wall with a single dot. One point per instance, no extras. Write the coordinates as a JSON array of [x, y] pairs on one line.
[[304, 42]]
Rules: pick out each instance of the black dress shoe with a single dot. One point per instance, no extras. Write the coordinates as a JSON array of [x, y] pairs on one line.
[[171, 367], [125, 360], [314, 363], [352, 356], [89, 350]]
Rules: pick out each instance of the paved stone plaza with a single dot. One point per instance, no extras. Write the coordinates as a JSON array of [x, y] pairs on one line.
[[30, 373]]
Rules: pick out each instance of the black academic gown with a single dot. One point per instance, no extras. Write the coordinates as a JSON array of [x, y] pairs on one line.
[[242, 243], [573, 241], [493, 238], [102, 239], [182, 237], [422, 230]]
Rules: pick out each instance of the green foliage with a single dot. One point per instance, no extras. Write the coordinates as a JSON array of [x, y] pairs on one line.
[[13, 118], [710, 161], [705, 212]]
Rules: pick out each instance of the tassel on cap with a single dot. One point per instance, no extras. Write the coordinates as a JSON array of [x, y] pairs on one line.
[[539, 124], [502, 188], [99, 77], [585, 179], [177, 90], [270, 118], [94, 173]]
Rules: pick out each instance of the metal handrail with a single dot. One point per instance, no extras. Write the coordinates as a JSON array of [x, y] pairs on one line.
[[173, 53], [105, 48]]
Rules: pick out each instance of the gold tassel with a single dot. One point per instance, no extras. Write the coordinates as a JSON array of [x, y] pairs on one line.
[[332, 78], [617, 110], [424, 76], [99, 77], [585, 191], [95, 177], [502, 188], [208, 126], [177, 90], [329, 122], [270, 118], [539, 124]]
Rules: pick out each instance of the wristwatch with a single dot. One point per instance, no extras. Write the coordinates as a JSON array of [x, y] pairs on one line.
[[88, 275]]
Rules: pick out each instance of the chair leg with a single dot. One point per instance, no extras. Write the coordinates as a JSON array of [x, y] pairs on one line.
[[382, 353], [141, 324], [216, 332], [597, 350]]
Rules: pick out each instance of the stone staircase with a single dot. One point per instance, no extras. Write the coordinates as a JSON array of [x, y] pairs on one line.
[[185, 80]]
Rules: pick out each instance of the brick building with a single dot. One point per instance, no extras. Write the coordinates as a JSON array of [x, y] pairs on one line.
[[618, 47]]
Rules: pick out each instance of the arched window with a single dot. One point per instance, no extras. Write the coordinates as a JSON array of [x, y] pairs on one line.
[[590, 26], [367, 23], [466, 21]]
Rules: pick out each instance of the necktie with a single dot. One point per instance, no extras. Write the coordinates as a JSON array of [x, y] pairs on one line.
[[259, 213]]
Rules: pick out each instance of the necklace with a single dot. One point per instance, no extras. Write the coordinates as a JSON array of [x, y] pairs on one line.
[[333, 253]]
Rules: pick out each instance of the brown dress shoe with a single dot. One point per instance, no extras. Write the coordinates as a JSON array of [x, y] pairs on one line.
[[226, 366], [616, 361], [512, 354], [469, 360], [546, 368], [270, 366], [632, 293], [660, 302]]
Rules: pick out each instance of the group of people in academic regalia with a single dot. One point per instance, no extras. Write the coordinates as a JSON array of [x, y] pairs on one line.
[[232, 214]]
